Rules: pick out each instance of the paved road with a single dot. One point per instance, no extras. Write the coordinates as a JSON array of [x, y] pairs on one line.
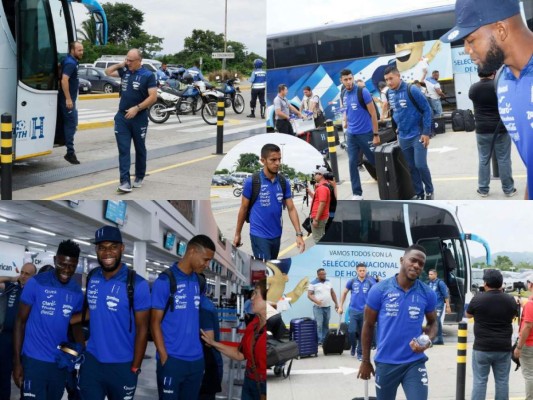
[[335, 376], [180, 158]]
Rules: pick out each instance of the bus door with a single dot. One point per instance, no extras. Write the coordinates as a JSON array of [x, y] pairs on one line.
[[447, 257], [42, 35]]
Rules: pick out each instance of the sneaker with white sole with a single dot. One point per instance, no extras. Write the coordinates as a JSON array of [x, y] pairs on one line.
[[124, 187], [138, 183], [430, 196], [482, 194], [357, 197], [511, 193]]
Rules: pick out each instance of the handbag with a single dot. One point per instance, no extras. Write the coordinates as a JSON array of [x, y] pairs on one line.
[[280, 352], [307, 225], [515, 359]]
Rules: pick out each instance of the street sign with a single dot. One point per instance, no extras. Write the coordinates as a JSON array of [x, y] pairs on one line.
[[223, 55]]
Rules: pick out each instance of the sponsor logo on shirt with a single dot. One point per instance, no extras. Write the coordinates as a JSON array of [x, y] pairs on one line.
[[112, 303], [503, 89], [414, 312], [67, 310]]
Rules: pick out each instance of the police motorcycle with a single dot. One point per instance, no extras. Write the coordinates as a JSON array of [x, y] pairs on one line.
[[232, 94], [188, 97]]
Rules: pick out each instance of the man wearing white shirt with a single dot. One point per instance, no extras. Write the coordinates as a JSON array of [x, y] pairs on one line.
[[434, 92], [321, 293]]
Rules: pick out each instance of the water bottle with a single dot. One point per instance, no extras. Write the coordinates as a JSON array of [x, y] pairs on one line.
[[422, 340]]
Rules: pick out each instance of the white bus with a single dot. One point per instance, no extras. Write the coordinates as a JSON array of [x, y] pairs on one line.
[[377, 233], [35, 37]]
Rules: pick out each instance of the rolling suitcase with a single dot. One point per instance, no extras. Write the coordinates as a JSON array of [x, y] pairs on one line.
[[334, 341], [303, 332], [394, 178], [347, 344]]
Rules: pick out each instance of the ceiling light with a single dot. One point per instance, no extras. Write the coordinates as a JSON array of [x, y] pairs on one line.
[[3, 220], [82, 242], [156, 263], [91, 256], [37, 243], [4, 237], [128, 264], [149, 269], [42, 231], [128, 256]]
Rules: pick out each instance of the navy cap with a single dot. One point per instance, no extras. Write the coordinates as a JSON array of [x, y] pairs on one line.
[[107, 234], [470, 15]]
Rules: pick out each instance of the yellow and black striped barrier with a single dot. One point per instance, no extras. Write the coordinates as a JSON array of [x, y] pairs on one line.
[[462, 334], [330, 130], [6, 157], [221, 113]]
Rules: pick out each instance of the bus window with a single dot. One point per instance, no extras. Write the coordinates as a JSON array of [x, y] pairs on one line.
[[9, 10], [432, 26], [36, 46], [340, 43], [296, 50], [379, 38], [60, 29], [379, 223]]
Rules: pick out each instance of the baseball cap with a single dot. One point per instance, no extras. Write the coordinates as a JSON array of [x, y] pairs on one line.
[[470, 15], [321, 170], [107, 234]]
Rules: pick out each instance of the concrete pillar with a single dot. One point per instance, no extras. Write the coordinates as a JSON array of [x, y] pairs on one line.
[[139, 258], [217, 287]]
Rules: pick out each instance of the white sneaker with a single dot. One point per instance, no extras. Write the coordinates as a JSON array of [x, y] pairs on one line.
[[357, 197], [124, 188]]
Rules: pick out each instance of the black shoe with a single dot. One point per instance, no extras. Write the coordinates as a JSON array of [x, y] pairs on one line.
[[71, 158], [418, 197], [252, 115]]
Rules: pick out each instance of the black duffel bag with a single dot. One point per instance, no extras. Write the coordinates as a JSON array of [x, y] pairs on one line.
[[279, 352]]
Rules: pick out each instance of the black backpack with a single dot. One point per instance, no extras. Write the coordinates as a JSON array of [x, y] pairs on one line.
[[412, 99], [463, 120], [361, 100], [130, 286], [332, 198], [256, 188], [173, 286]]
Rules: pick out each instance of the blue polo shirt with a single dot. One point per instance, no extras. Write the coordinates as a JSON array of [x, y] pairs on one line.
[[52, 305], [135, 87], [400, 318], [266, 213], [12, 292], [440, 289], [515, 104], [69, 67], [359, 291], [181, 327], [358, 119], [406, 114], [109, 309]]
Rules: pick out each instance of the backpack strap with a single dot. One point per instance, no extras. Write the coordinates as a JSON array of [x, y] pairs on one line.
[[85, 301], [172, 283], [283, 183], [360, 98], [412, 98], [256, 188], [497, 77], [343, 92], [130, 286]]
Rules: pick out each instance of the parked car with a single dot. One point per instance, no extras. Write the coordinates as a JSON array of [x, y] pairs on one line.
[[218, 181], [229, 179], [84, 86], [239, 177], [99, 80]]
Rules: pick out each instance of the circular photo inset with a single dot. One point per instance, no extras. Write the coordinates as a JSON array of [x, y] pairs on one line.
[[272, 196]]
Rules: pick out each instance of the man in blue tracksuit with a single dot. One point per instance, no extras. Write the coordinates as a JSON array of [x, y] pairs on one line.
[[496, 35], [443, 297], [414, 129], [361, 128], [359, 286], [119, 330], [11, 287], [399, 305], [175, 324], [139, 92], [195, 72], [68, 93], [258, 81], [47, 304]]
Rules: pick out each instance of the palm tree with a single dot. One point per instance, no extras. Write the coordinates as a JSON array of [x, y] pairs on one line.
[[88, 31]]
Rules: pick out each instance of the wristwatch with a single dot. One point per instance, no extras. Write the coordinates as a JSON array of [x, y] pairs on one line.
[[376, 134], [299, 234], [136, 371]]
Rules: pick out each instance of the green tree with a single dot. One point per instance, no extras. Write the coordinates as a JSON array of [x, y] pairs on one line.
[[248, 162], [479, 265], [125, 22], [87, 32], [205, 42], [223, 171], [287, 171], [504, 263]]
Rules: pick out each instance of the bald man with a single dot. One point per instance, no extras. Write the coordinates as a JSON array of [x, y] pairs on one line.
[[494, 35], [139, 92], [11, 287]]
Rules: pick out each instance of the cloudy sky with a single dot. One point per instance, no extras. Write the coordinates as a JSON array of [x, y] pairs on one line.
[[174, 21], [283, 15], [505, 225]]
